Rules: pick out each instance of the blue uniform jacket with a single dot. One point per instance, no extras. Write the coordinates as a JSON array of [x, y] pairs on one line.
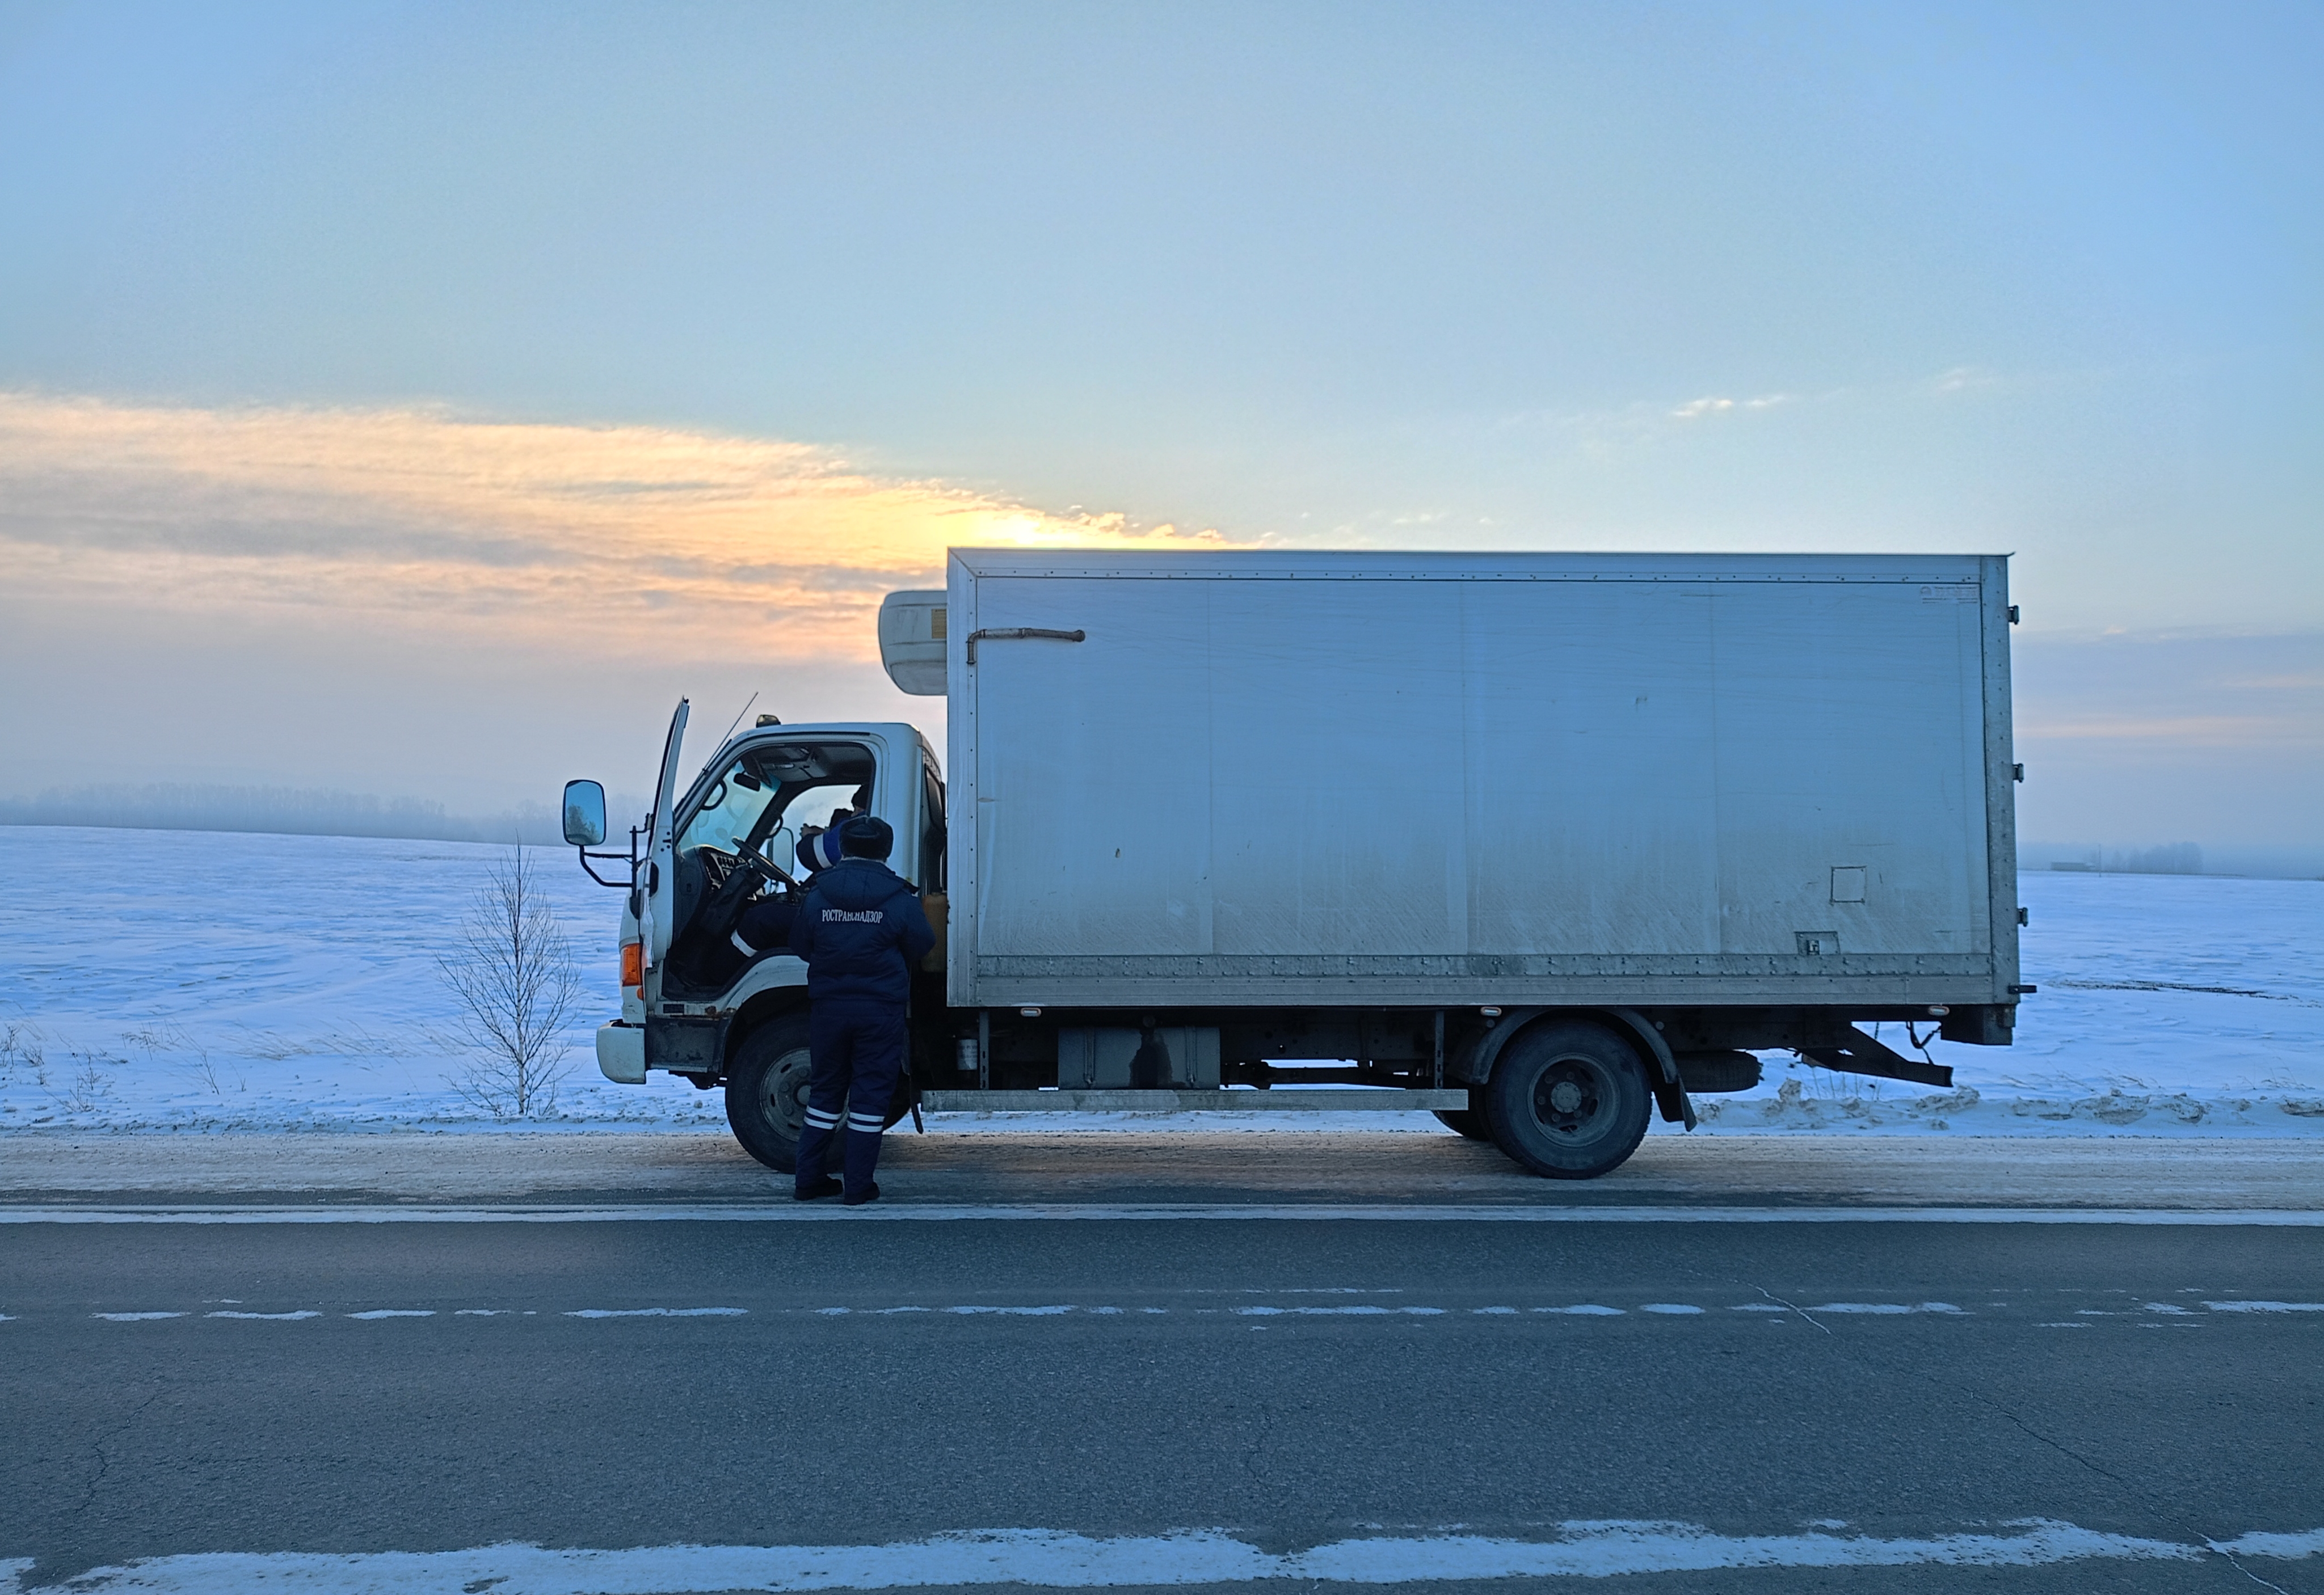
[[861, 929]]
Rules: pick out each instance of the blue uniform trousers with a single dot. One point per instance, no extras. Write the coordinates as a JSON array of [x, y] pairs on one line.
[[856, 1056]]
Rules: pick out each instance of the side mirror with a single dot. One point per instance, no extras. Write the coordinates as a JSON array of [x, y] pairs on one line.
[[584, 813]]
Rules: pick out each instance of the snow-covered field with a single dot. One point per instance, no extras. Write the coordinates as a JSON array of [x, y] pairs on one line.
[[171, 980]]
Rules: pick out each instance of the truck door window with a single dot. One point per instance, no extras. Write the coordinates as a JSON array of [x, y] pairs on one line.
[[819, 808], [815, 784]]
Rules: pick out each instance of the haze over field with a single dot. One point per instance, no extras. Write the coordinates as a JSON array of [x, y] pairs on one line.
[[411, 402]]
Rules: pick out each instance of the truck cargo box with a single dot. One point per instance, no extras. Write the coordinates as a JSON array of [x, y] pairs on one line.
[[1225, 779]]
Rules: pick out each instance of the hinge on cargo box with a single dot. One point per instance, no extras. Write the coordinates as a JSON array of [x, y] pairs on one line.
[[2013, 614], [2016, 772], [2023, 917]]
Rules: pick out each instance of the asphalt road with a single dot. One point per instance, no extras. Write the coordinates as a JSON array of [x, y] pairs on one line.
[[1418, 1387]]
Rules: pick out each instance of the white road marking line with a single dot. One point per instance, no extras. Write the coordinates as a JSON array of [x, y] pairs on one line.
[[1678, 1309], [1012, 1312], [978, 1308], [1884, 1309], [1586, 1310], [2265, 1306], [658, 1312], [395, 1312], [133, 1317], [931, 1212], [1048, 1559], [2282, 1548], [1366, 1311], [269, 1317]]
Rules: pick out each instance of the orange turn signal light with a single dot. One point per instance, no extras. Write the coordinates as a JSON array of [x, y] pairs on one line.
[[633, 963]]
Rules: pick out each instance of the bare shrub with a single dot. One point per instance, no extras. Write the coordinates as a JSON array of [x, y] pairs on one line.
[[85, 1092], [24, 1047], [19, 1045], [512, 970], [158, 1040]]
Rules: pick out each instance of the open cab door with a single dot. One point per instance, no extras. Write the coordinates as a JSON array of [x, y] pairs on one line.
[[659, 889]]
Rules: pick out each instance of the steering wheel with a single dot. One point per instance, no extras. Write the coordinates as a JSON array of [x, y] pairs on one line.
[[745, 853]]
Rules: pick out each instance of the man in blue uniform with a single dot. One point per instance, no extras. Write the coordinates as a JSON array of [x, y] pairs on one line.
[[859, 929]]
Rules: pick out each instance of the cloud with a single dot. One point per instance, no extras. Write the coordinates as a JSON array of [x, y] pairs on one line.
[[1695, 408], [614, 539]]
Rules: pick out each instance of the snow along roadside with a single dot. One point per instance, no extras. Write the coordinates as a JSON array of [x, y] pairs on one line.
[[1049, 1559]]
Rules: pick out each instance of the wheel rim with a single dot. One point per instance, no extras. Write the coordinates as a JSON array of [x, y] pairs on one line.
[[782, 1101], [1572, 1097]]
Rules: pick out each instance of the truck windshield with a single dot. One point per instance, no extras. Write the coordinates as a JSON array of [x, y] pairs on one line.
[[735, 804]]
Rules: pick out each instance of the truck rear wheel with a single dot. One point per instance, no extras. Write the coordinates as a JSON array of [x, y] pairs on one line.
[[766, 1091], [1569, 1100]]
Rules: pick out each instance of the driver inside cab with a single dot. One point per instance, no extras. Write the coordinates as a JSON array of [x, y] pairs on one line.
[[767, 925]]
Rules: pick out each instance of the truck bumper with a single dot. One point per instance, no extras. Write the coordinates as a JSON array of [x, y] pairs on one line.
[[622, 1052]]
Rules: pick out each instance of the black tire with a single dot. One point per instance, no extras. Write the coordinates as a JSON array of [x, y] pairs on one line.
[[1465, 1121], [1569, 1100], [766, 1091]]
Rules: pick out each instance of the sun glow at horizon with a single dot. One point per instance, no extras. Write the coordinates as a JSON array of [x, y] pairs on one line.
[[411, 519]]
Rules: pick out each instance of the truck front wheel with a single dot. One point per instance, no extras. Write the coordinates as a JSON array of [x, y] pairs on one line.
[[766, 1091], [1569, 1100]]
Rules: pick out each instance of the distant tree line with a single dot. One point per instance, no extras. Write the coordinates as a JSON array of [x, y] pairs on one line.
[[279, 810], [2177, 858]]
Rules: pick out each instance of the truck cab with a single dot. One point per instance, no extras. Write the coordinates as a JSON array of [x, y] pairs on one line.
[[709, 987]]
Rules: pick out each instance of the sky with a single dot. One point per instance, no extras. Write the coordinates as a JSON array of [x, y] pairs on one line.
[[416, 400]]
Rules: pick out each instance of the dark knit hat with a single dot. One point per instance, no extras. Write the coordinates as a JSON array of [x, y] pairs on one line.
[[866, 836]]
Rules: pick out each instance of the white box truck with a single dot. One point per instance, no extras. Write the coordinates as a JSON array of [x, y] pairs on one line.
[[1541, 842]]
